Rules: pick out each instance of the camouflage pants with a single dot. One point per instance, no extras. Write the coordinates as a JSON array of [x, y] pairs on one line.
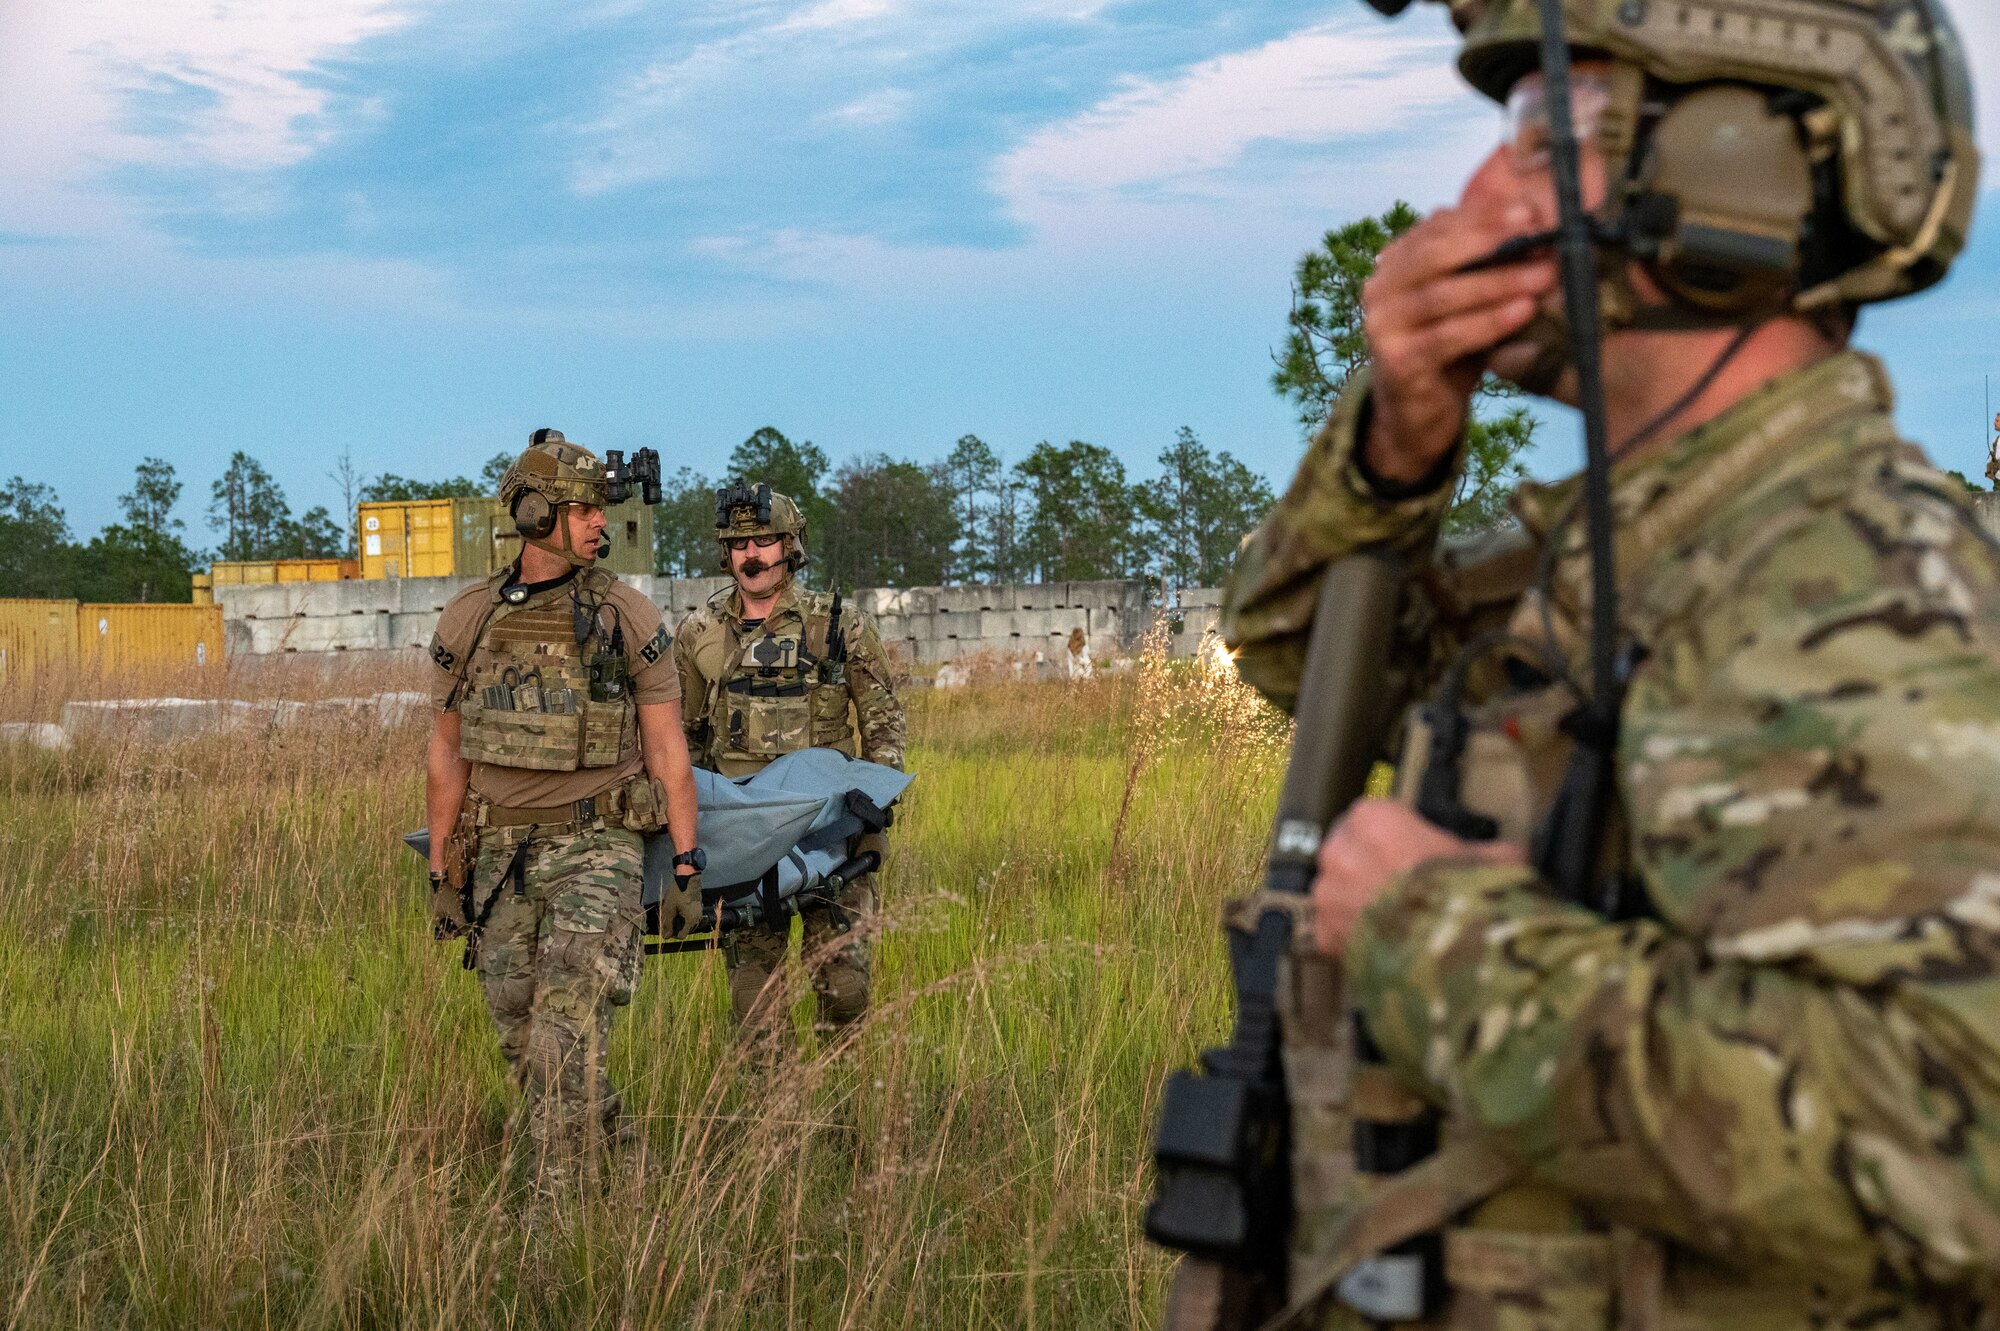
[[839, 976], [560, 951]]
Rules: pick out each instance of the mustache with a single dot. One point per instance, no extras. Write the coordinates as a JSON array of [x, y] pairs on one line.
[[754, 567]]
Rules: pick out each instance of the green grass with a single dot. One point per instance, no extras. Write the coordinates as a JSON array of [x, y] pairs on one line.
[[240, 1086]]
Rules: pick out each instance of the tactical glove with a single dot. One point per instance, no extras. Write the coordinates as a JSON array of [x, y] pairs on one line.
[[447, 909], [874, 841], [680, 909]]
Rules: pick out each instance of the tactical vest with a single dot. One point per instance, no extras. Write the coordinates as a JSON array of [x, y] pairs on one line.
[[536, 697], [777, 693]]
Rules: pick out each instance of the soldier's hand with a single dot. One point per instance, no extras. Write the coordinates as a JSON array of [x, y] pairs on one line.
[[1377, 842], [680, 913], [1431, 330], [447, 909]]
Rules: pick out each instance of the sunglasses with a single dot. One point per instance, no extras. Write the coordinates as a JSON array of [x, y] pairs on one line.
[[745, 542]]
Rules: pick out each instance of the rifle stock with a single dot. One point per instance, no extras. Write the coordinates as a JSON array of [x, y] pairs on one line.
[[1222, 1151]]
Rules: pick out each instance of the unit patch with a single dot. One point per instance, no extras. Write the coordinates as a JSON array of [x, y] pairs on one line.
[[443, 655], [657, 647]]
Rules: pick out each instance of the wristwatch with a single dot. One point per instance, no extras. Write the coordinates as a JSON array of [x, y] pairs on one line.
[[696, 859]]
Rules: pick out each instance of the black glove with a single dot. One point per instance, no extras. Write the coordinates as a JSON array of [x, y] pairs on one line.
[[680, 910]]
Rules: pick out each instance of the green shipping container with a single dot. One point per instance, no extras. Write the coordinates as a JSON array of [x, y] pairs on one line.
[[485, 540], [406, 540]]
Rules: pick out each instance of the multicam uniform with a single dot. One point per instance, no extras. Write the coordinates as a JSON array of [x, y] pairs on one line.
[[755, 694], [548, 690], [1790, 1077]]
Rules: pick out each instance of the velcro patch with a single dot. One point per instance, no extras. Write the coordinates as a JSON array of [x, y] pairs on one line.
[[444, 656], [657, 648]]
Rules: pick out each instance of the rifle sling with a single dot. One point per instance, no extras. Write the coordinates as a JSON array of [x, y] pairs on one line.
[[1417, 1201]]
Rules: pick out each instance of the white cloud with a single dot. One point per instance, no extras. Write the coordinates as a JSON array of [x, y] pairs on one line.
[[876, 108], [1314, 87], [835, 14], [809, 55], [87, 85]]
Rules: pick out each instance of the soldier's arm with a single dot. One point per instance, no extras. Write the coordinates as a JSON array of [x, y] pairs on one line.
[[663, 745], [1797, 1064], [447, 777], [694, 690], [871, 682], [1330, 510]]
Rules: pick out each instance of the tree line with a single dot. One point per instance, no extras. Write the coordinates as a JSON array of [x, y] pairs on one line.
[[1063, 512]]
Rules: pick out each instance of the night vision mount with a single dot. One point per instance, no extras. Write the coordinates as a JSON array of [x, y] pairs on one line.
[[728, 500], [643, 471]]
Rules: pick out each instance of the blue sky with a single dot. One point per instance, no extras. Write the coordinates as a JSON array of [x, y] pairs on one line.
[[417, 229]]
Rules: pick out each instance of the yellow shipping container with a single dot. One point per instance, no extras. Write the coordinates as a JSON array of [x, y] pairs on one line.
[[259, 572], [36, 636], [115, 637], [409, 539], [204, 589]]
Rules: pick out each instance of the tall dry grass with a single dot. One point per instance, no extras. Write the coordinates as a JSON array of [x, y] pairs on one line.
[[240, 1086]]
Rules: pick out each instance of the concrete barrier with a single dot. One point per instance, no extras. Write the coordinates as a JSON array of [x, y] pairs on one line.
[[924, 625], [36, 734], [161, 719]]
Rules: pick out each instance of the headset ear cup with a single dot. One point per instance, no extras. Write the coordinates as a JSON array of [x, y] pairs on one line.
[[534, 516], [1733, 192]]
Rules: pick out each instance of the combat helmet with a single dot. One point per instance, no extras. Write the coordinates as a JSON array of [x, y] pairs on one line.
[[744, 509], [1764, 154], [550, 473]]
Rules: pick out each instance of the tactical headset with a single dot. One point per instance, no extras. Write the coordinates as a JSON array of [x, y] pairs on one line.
[[534, 515]]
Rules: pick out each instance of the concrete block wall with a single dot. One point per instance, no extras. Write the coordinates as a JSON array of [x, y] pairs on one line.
[[1986, 507], [923, 625]]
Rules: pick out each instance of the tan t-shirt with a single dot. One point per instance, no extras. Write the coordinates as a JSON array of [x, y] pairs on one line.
[[654, 680]]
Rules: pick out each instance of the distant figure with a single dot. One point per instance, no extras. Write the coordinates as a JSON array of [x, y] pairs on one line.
[[1076, 661], [1993, 456]]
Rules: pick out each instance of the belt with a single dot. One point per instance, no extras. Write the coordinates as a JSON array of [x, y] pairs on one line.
[[557, 817]]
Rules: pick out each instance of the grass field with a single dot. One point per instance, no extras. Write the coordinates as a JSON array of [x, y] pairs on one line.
[[241, 1087]]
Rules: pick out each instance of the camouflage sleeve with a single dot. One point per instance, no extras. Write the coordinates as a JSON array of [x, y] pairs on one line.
[[871, 682], [694, 690], [1328, 511], [1800, 1062]]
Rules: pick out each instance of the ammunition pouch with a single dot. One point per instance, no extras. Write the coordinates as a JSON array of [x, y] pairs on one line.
[[531, 700], [645, 805]]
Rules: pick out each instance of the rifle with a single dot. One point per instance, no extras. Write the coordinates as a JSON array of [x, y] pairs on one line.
[[833, 666], [1223, 1147]]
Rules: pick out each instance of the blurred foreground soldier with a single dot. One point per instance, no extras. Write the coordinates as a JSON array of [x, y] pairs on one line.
[[557, 745], [767, 668], [1750, 1078]]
